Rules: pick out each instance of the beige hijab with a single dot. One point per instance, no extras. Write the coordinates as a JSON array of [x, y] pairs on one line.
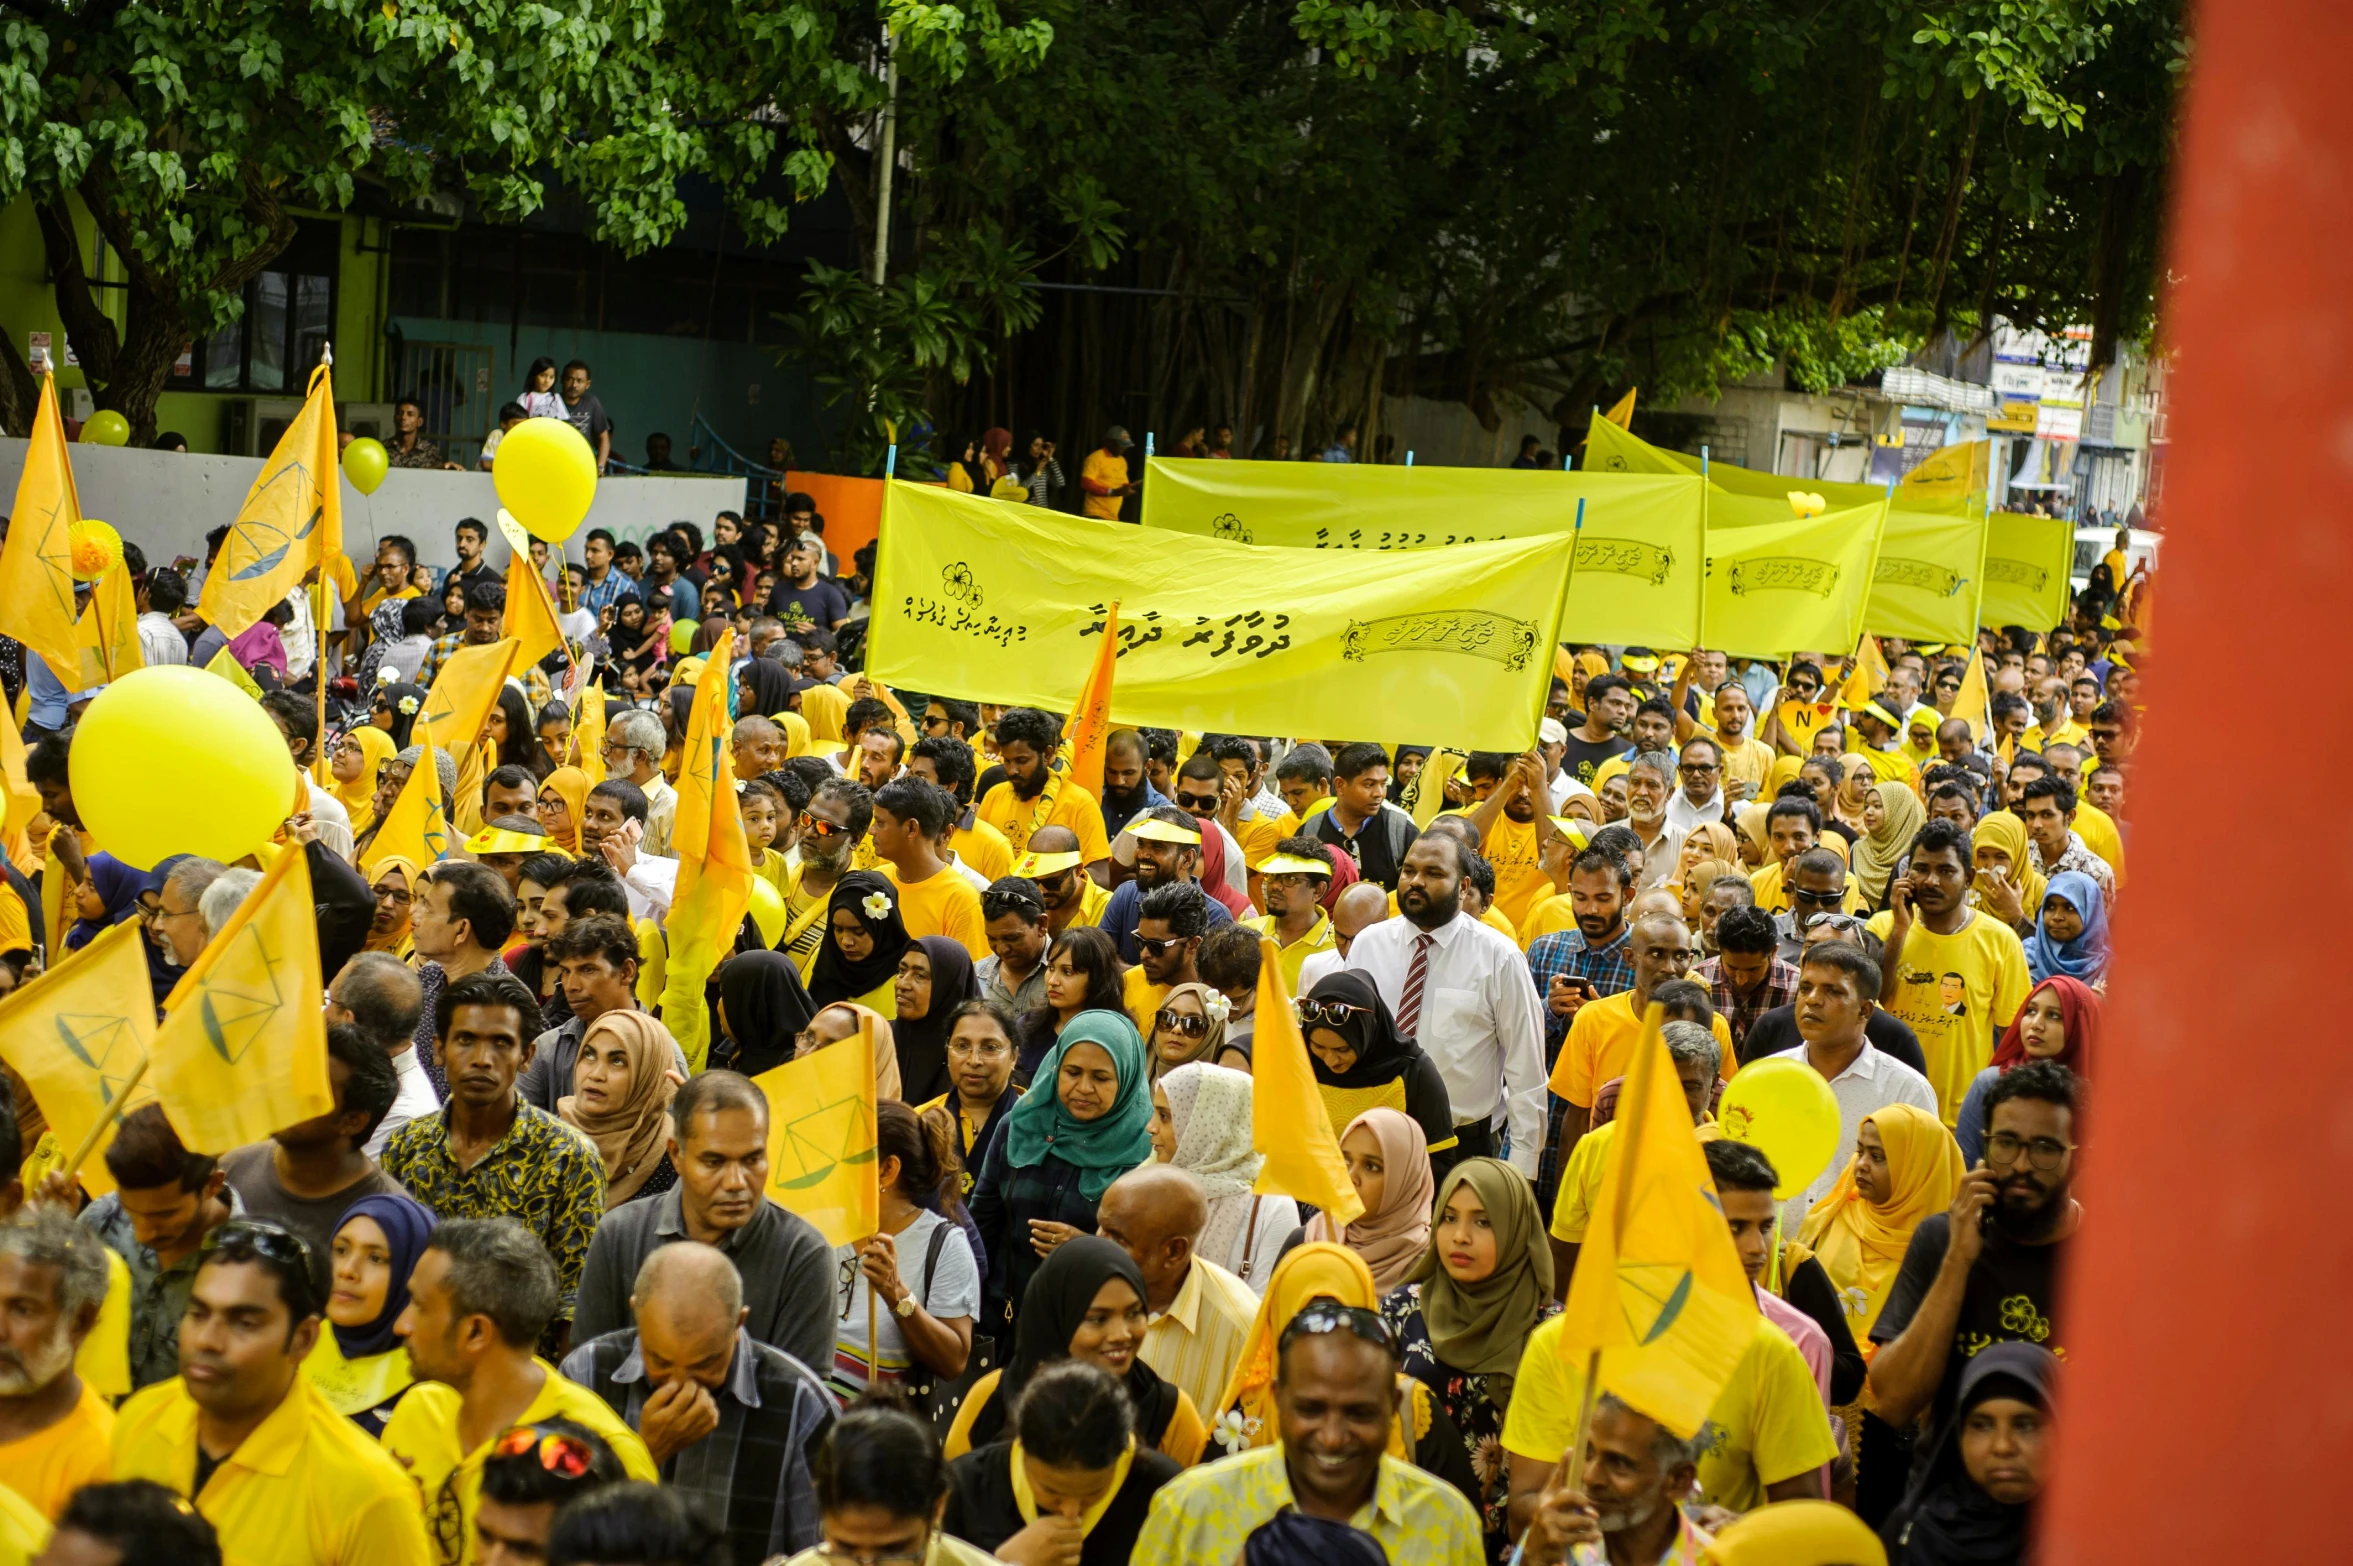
[[629, 1139], [886, 1049]]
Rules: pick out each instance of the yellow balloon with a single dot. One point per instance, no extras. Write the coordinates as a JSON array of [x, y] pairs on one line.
[[546, 475], [1784, 1110], [106, 428], [768, 910], [682, 636], [365, 462], [172, 760]]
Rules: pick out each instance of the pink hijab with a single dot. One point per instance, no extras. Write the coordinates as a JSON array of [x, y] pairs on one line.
[[1213, 873], [1392, 1237]]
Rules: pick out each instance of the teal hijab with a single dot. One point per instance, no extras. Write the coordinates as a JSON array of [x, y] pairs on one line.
[[1104, 1148]]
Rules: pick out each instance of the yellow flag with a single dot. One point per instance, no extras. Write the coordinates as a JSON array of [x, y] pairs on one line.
[[457, 710], [228, 668], [1090, 719], [21, 800], [79, 1033], [36, 564], [1955, 470], [1659, 1289], [243, 1047], [1974, 704], [588, 729], [1868, 677], [414, 829], [292, 519], [1622, 411], [714, 858], [1426, 794], [821, 1138], [106, 638], [1288, 1121], [530, 614]]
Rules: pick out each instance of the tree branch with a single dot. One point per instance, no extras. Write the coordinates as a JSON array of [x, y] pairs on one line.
[[86, 326]]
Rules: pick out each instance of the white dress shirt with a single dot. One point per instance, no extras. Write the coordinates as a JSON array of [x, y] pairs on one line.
[[413, 1101], [1480, 1021], [160, 641], [1869, 1084], [1317, 965]]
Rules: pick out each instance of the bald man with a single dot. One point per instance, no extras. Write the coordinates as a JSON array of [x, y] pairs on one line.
[[1354, 911], [734, 1425], [759, 746], [1200, 1313]]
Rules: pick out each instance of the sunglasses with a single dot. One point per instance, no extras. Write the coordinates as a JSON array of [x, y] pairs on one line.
[[1322, 1317], [565, 1456], [1329, 1013], [1196, 801], [818, 826], [1152, 948], [1191, 1025]]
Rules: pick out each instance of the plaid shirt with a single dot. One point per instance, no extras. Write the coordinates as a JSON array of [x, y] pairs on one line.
[[1003, 1203], [537, 689], [1779, 989], [1611, 968], [751, 1476]]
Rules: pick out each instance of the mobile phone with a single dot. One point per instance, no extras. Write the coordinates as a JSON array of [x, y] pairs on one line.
[[1576, 981]]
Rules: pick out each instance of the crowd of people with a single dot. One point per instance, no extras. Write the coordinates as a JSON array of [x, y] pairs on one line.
[[524, 1293]]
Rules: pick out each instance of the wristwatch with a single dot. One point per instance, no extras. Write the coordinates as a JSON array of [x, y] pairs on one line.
[[905, 1308]]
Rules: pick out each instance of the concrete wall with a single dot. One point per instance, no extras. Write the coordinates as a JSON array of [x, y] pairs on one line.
[[165, 502]]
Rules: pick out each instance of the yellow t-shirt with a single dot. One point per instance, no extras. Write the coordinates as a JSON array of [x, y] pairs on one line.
[[1767, 1425], [1520, 884], [1142, 998], [307, 1486], [1062, 803], [1957, 992], [1547, 916], [1600, 1046], [105, 1358], [1889, 766], [1750, 762], [943, 904], [1103, 468], [1092, 900], [353, 1386], [984, 848], [2097, 828], [1580, 1181], [423, 1434], [48, 1467], [1293, 957]]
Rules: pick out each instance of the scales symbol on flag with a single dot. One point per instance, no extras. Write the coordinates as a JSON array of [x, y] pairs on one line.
[[92, 1038], [821, 1141], [236, 1014]]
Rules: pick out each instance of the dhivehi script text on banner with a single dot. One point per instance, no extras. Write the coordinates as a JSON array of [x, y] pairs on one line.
[[1638, 576], [1794, 585], [1930, 578], [993, 601], [2027, 561]]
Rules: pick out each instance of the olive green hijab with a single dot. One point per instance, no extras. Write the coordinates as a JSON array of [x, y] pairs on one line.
[[1480, 1328]]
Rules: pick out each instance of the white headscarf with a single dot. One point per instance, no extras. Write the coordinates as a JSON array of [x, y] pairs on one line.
[[1210, 1108]]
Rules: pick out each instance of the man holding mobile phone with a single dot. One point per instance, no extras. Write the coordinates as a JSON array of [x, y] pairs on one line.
[[1574, 967]]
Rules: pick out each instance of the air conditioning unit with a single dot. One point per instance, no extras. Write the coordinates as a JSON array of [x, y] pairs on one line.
[[372, 419], [250, 426]]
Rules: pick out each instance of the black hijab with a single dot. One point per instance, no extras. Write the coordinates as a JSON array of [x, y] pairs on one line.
[[766, 1009], [1052, 1309], [1381, 1056], [1945, 1519], [923, 1043], [834, 977], [393, 695], [770, 685]]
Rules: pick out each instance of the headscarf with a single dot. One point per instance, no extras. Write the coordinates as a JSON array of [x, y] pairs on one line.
[[631, 1138], [997, 445], [886, 1054], [397, 940], [1392, 1237], [445, 768], [1381, 1056], [1946, 1519], [766, 1009], [1106, 1147], [572, 787], [1214, 1010], [407, 1225], [1210, 1108], [796, 733], [1788, 1531], [834, 977], [1716, 838], [1314, 1271], [2079, 1004], [923, 1041], [1481, 1327], [1861, 1244], [2086, 957], [771, 686], [358, 796], [118, 887], [1214, 880], [1876, 854], [1753, 820], [2003, 830], [1052, 1308], [1847, 800], [392, 695], [1344, 876]]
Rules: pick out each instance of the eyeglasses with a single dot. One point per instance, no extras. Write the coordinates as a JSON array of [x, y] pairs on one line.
[[2043, 1152], [1329, 1013], [1191, 1025], [968, 1049], [1843, 923], [1698, 769], [1152, 948], [565, 1456], [1324, 1316], [392, 894], [818, 826], [1798, 894]]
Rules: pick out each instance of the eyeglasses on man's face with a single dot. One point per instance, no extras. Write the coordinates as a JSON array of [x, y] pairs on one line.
[[2043, 1152]]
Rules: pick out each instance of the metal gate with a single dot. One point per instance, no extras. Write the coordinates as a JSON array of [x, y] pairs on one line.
[[453, 381]]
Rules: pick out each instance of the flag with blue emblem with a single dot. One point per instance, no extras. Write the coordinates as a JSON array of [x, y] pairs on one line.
[[292, 519]]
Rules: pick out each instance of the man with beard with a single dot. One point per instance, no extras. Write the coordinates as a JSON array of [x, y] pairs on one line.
[[833, 824], [1127, 782], [1460, 989], [1649, 780], [1954, 974], [56, 1432], [1629, 1510], [1034, 795], [1168, 851], [1293, 881], [1986, 1271]]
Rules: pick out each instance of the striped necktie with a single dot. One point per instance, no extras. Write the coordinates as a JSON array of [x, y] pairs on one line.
[[1409, 1005]]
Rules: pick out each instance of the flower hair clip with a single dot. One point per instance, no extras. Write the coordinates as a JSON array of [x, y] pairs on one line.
[[408, 706], [877, 906], [1217, 1006]]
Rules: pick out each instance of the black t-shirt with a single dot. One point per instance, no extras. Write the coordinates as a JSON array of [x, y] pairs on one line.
[[2011, 1297], [1582, 757], [588, 417], [1776, 1030], [1809, 1288], [822, 602]]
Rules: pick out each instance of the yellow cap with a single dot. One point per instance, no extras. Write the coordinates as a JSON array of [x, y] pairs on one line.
[[504, 840], [1160, 831], [1293, 864], [1032, 865]]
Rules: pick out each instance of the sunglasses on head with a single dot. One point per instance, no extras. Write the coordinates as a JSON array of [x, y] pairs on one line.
[[1322, 1317], [1329, 1013], [565, 1456], [1191, 1025]]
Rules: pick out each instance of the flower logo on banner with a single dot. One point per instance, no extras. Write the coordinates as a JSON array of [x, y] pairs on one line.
[[956, 581]]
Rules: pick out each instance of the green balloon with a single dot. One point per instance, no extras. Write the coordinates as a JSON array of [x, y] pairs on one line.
[[106, 428], [365, 463]]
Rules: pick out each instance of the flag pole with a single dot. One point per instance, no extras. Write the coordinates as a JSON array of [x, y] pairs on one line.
[[72, 1167]]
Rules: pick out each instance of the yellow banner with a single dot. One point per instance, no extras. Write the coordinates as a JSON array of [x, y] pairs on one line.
[[1930, 576], [1001, 603], [1798, 585], [415, 830], [78, 1034], [821, 1138], [243, 1047], [37, 561], [291, 520], [2028, 561]]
